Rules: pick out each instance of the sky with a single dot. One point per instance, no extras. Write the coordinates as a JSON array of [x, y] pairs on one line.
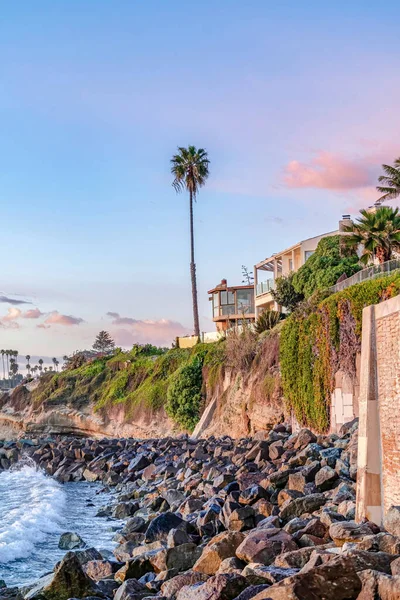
[[295, 102]]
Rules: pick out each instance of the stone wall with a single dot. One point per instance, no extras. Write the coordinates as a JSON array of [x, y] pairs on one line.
[[378, 485]]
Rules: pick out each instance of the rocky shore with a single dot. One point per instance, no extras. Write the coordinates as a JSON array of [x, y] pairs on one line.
[[270, 517]]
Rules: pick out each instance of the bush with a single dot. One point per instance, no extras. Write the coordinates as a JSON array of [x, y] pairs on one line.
[[241, 347], [322, 270], [184, 394], [267, 320], [285, 293]]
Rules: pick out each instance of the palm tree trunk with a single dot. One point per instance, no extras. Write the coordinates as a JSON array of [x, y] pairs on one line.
[[193, 272], [4, 368]]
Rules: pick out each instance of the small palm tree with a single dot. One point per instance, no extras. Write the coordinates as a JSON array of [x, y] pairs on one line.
[[391, 188], [190, 170], [377, 232], [267, 320]]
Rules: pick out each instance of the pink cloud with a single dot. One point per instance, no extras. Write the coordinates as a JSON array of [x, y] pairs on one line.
[[33, 313], [12, 314], [159, 332], [55, 318], [43, 326], [331, 172]]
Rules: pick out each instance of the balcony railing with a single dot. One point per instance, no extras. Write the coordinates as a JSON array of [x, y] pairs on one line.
[[264, 287], [373, 272]]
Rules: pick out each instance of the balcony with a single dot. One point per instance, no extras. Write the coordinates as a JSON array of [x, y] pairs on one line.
[[264, 287]]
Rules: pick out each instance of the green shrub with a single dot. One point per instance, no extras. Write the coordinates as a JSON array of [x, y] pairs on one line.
[[184, 394], [325, 266], [267, 320], [285, 294]]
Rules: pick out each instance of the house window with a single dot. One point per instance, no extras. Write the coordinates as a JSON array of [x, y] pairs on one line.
[[216, 304], [245, 301], [308, 253], [227, 303]]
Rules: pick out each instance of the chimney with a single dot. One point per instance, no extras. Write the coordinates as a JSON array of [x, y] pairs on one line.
[[224, 283], [345, 221]]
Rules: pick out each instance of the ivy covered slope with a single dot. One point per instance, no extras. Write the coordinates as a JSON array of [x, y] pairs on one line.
[[139, 379], [319, 339]]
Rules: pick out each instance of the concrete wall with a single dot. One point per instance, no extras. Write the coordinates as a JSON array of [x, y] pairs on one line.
[[378, 482], [345, 398]]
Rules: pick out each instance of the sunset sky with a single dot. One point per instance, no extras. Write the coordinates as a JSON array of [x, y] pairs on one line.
[[296, 102]]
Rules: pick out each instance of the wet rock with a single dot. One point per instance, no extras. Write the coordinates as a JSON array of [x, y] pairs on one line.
[[70, 541], [69, 580]]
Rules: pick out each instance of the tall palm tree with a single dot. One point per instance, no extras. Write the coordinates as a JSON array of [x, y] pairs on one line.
[[8, 354], [54, 360], [391, 181], [28, 366], [377, 232], [190, 170], [40, 367]]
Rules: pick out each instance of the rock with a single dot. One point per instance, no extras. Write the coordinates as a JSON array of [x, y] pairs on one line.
[[304, 438], [170, 588], [101, 569], [377, 585], [264, 545], [218, 548], [326, 478], [139, 463], [176, 537], [391, 520], [231, 565], [251, 592], [160, 527], [300, 506], [383, 542], [349, 531], [124, 509], [131, 590], [335, 580], [296, 559], [69, 580], [257, 574], [70, 541], [179, 558], [218, 587]]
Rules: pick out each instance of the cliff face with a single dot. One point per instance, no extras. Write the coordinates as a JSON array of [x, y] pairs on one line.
[[234, 403]]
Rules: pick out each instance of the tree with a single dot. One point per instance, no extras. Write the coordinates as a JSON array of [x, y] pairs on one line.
[[285, 294], [190, 170], [103, 342], [28, 366], [248, 277], [391, 188], [40, 367], [4, 369], [377, 232], [329, 262]]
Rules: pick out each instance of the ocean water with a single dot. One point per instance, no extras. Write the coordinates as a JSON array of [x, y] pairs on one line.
[[35, 510]]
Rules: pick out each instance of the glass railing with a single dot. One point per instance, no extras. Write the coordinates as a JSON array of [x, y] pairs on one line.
[[264, 287], [372, 272]]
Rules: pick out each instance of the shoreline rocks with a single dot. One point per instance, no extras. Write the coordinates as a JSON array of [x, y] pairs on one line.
[[221, 519]]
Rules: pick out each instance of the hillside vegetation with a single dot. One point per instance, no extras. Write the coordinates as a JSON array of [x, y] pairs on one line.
[[320, 338]]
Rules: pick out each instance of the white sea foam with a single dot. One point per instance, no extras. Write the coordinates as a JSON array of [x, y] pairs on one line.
[[32, 506]]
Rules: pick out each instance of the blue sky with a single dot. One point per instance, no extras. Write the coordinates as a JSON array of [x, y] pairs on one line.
[[296, 103]]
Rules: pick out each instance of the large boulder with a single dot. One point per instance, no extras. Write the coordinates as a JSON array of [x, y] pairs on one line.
[[263, 545], [171, 587], [68, 581], [376, 585]]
